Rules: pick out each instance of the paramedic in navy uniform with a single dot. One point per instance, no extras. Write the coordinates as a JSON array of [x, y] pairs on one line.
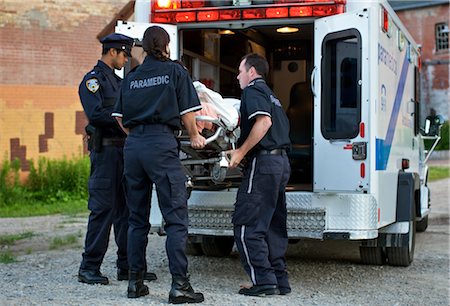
[[260, 214], [155, 99], [98, 93]]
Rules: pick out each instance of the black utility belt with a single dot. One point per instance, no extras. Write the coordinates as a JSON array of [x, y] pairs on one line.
[[118, 142], [272, 152]]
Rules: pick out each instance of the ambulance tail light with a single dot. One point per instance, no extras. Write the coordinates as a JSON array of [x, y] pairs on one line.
[[183, 11], [385, 21]]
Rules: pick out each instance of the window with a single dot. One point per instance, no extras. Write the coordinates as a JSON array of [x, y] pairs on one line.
[[341, 85], [441, 30]]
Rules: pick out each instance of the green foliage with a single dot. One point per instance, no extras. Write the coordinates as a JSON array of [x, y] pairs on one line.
[[53, 186], [438, 173], [59, 242], [444, 142], [11, 239], [7, 257]]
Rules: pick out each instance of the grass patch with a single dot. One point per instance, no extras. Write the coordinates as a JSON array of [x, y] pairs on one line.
[[27, 209], [60, 242], [438, 173], [7, 257], [11, 239]]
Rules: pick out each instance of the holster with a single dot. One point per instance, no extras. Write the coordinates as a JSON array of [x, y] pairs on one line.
[[95, 137]]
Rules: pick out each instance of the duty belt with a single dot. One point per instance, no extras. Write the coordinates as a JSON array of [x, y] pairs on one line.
[[118, 142], [272, 152]]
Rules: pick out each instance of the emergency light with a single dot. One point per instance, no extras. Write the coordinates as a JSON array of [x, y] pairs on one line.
[[183, 11]]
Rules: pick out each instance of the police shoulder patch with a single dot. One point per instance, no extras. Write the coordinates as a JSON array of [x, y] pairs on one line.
[[92, 85]]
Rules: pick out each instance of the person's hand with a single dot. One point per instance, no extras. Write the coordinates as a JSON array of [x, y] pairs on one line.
[[198, 142], [234, 157]]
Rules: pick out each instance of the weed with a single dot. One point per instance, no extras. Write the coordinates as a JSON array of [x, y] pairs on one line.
[[7, 257], [59, 242], [11, 239]]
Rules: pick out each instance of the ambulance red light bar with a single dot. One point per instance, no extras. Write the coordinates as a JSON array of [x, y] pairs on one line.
[[185, 11]]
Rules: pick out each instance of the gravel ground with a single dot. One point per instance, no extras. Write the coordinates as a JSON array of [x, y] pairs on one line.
[[321, 273]]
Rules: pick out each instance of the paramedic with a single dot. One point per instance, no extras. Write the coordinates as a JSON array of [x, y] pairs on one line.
[[260, 213], [98, 92], [154, 99]]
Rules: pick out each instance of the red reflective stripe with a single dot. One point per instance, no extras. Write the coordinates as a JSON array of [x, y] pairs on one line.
[[229, 14], [207, 15], [362, 129], [185, 17], [254, 13], [362, 169], [348, 146], [300, 11], [280, 12]]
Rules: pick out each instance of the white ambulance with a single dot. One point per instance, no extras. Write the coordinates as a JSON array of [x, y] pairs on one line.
[[348, 74]]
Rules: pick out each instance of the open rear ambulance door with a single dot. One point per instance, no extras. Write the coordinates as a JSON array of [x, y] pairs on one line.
[[340, 83], [136, 30]]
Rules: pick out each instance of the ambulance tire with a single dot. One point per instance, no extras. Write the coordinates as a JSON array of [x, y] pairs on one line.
[[193, 248], [372, 255], [422, 225], [217, 246], [403, 255]]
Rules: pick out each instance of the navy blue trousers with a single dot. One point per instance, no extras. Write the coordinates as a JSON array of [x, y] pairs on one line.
[[260, 220], [108, 207], [151, 156]]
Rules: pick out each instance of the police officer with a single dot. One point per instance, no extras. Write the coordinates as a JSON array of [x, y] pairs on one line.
[[98, 92], [260, 213], [153, 99]]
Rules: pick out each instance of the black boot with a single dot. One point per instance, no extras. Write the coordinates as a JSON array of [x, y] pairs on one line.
[[182, 292], [136, 287], [92, 277]]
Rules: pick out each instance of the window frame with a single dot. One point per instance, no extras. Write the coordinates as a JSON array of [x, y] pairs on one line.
[[327, 71]]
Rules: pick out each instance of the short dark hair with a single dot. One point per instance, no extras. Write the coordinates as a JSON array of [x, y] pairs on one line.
[[155, 41], [258, 62]]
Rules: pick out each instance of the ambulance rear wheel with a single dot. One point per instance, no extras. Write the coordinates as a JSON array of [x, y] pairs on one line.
[[217, 246], [372, 255], [403, 255], [193, 248]]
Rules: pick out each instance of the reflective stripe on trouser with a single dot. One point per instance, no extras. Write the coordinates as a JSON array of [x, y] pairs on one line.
[[108, 207], [260, 220], [151, 156]]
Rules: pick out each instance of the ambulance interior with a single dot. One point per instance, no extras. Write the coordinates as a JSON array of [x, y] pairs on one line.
[[212, 56]]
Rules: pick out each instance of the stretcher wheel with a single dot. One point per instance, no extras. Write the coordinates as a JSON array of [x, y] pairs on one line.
[[218, 174]]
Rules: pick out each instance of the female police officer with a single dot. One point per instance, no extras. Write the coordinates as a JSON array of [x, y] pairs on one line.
[[153, 99]]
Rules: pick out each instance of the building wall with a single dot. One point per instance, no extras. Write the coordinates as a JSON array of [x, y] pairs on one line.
[[47, 47], [435, 64]]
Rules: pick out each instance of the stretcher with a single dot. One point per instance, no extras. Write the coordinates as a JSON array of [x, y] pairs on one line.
[[218, 122]]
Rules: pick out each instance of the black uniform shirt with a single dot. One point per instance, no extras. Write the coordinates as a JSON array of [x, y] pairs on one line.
[[98, 93], [258, 99], [156, 92]]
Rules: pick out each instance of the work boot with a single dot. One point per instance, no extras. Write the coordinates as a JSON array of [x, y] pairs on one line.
[[182, 292], [260, 290], [122, 274], [92, 277], [136, 287]]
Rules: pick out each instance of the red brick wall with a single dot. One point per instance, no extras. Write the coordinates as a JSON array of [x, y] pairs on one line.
[[435, 71], [46, 48]]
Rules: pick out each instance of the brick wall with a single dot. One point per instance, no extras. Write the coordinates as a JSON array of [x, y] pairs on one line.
[[47, 47], [435, 70]]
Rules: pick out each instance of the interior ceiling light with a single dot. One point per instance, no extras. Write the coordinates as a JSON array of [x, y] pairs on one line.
[[226, 32], [287, 30]]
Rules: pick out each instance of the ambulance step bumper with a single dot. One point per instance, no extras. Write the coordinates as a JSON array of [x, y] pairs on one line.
[[305, 223]]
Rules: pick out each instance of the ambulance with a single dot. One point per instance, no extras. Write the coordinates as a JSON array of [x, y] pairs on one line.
[[348, 75]]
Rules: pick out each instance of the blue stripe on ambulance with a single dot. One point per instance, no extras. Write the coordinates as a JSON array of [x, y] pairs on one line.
[[383, 146]]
